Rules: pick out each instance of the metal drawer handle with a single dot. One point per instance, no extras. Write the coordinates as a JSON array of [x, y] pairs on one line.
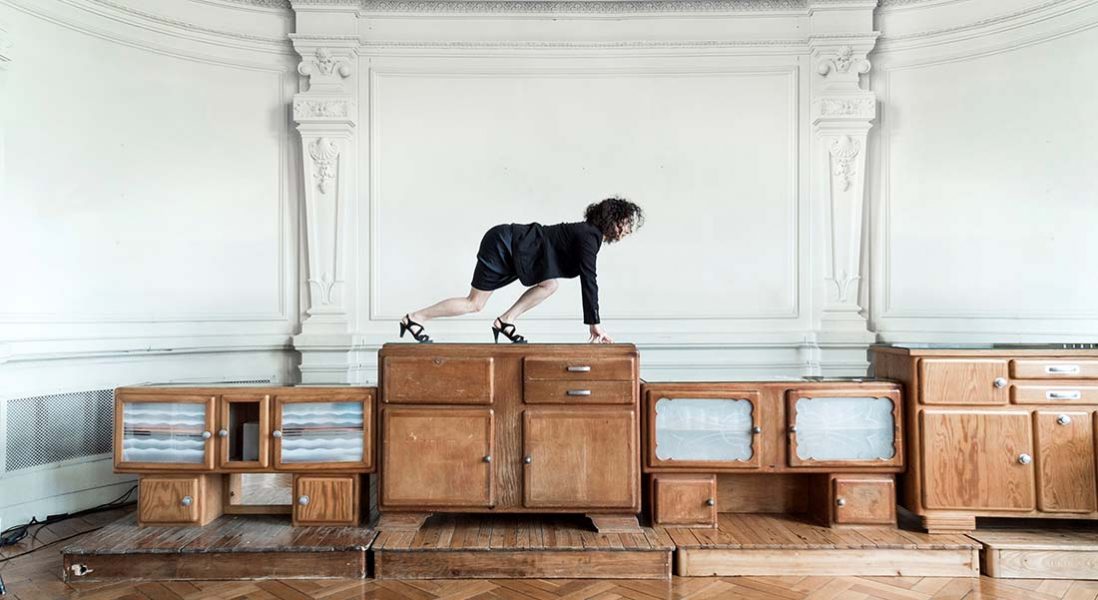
[[276, 433], [206, 435], [792, 429], [579, 392], [756, 430], [1063, 420], [527, 459], [1062, 369], [186, 501], [840, 502], [578, 368], [488, 458], [710, 502], [1000, 382], [1024, 459], [303, 500], [223, 433], [1064, 395]]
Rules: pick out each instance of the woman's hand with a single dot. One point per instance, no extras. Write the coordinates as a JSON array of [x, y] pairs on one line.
[[598, 336]]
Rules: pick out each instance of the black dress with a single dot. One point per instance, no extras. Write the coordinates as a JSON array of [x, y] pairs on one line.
[[533, 253]]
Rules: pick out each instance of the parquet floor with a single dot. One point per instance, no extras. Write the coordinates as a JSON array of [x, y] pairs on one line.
[[37, 576]]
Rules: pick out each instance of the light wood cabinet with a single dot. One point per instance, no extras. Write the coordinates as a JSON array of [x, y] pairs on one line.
[[330, 500], [178, 499], [862, 500], [156, 431], [244, 432], [704, 426], [684, 500], [997, 432], [844, 427], [323, 431]]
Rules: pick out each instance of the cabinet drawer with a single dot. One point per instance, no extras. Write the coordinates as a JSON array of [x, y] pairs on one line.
[[1054, 394], [178, 499], [437, 380], [620, 368], [967, 381], [1054, 368], [326, 500], [550, 391], [863, 500], [684, 500]]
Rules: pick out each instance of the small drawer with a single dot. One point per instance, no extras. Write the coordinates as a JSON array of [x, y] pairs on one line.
[[550, 391], [1054, 368], [178, 499], [326, 500], [620, 368], [437, 380], [684, 500], [1054, 394], [863, 500]]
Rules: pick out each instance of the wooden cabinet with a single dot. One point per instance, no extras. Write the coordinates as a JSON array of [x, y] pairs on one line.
[[862, 500], [178, 499], [715, 429], [244, 432], [156, 431], [508, 428], [323, 432], [331, 500], [997, 432], [844, 427], [437, 458], [684, 500], [579, 459]]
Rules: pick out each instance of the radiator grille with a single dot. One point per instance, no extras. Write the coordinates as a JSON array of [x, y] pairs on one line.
[[57, 427]]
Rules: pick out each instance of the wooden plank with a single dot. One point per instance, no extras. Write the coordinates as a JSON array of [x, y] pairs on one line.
[[727, 562], [570, 564], [215, 566], [1016, 563]]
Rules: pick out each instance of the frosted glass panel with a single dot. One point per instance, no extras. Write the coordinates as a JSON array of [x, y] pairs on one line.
[[844, 429], [322, 432], [163, 432], [698, 429]]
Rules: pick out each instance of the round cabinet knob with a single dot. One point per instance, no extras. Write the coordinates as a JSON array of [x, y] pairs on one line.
[[756, 429], [303, 500], [710, 502], [1000, 382], [224, 433], [527, 459], [276, 433], [187, 501], [840, 501], [1063, 420], [792, 429], [488, 458], [1024, 459], [206, 435]]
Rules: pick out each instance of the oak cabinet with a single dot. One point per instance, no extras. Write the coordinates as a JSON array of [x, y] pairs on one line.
[[168, 432], [1065, 461], [320, 432], [705, 428], [844, 427], [178, 499], [862, 500], [437, 458], [330, 500], [244, 432], [438, 379], [968, 381], [684, 500]]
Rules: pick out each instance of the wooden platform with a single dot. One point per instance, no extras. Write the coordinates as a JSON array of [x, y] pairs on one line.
[[1048, 552], [231, 547], [516, 546], [790, 545]]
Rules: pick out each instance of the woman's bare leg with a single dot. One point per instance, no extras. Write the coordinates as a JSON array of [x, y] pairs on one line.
[[532, 297], [452, 307]]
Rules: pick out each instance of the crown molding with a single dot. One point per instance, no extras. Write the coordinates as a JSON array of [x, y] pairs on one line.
[[1020, 16], [574, 6]]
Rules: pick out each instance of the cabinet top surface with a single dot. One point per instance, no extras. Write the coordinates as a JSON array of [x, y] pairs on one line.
[[214, 387], [527, 349], [991, 349]]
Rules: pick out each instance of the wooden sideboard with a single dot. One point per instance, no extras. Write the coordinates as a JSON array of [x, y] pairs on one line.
[[996, 432], [512, 428], [826, 447], [185, 441]]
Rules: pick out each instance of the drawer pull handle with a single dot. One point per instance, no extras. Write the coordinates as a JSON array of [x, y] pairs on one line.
[[527, 459], [186, 501], [1024, 459], [710, 502], [579, 392], [223, 433], [303, 500], [1064, 395], [840, 502], [206, 435], [1063, 420], [756, 430], [578, 368], [276, 433], [488, 458], [1062, 369], [1000, 382]]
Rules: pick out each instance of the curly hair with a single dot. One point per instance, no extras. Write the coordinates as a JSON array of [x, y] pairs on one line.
[[614, 216]]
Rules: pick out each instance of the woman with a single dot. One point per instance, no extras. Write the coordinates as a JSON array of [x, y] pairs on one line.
[[537, 255]]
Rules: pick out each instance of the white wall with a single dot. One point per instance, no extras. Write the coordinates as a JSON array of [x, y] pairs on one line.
[[149, 210]]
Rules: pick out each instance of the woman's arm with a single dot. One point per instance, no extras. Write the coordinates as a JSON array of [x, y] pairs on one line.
[[589, 286]]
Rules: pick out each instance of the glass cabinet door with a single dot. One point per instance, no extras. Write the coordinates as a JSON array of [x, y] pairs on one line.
[[844, 427], [329, 432], [158, 432], [709, 429]]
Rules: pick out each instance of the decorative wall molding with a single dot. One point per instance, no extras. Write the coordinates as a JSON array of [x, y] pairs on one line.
[[185, 25], [798, 44], [306, 108], [324, 154], [843, 61], [576, 6], [1015, 18], [843, 152], [858, 107]]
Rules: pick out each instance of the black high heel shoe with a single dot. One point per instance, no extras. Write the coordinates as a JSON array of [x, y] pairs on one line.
[[421, 337], [508, 330]]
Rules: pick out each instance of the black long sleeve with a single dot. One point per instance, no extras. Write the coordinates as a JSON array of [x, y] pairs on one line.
[[563, 250], [589, 284]]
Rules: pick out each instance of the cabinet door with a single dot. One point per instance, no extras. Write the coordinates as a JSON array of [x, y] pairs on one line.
[[166, 432], [684, 500], [962, 381], [977, 460], [244, 432], [437, 380], [169, 500], [326, 500], [324, 432], [438, 457], [843, 428], [576, 458], [704, 429], [1065, 461]]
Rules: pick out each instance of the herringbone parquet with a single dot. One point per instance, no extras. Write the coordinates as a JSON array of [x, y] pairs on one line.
[[37, 576]]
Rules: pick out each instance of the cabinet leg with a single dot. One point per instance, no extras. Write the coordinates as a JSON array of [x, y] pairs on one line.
[[948, 524], [401, 521], [615, 523]]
